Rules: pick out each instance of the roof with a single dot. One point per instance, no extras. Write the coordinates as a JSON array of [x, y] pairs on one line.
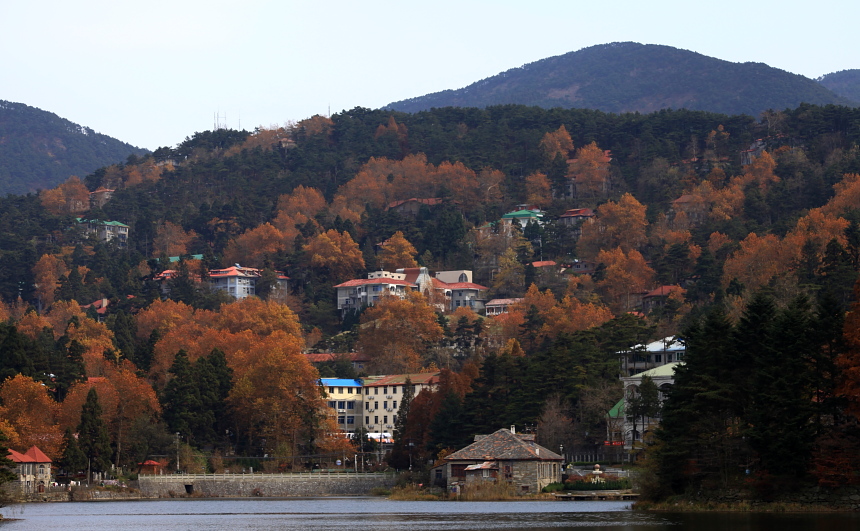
[[234, 271], [486, 465], [172, 259], [421, 378], [662, 291], [150, 462], [667, 344], [432, 201], [340, 382], [617, 410], [99, 222], [464, 285], [578, 212], [37, 455], [544, 263], [366, 281], [18, 457], [661, 371], [503, 302], [523, 214], [503, 445]]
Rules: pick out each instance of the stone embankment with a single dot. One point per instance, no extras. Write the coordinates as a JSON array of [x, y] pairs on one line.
[[274, 485]]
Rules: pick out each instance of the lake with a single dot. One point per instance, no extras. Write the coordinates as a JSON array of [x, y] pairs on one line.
[[378, 513]]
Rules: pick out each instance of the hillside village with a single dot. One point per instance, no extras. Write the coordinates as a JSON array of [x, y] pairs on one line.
[[388, 287]]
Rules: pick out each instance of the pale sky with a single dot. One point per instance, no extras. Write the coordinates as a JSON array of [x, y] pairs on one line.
[[151, 73]]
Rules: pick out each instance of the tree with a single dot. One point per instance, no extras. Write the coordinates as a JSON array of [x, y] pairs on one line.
[[620, 224], [590, 170], [538, 189], [397, 253], [93, 435], [401, 453], [7, 468], [74, 460], [395, 332], [336, 253]]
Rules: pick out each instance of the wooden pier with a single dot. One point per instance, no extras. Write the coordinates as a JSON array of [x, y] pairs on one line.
[[596, 495]]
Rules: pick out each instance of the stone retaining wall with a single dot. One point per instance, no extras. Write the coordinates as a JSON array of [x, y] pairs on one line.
[[276, 485]]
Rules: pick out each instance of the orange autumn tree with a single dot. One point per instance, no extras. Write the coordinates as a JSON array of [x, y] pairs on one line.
[[847, 195], [47, 273], [28, 409], [590, 171], [397, 252], [171, 240], [297, 208], [394, 333], [620, 224], [336, 253], [626, 275], [70, 197], [255, 245], [538, 189], [556, 143]]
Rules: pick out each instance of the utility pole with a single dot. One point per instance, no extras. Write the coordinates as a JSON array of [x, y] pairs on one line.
[[177, 452]]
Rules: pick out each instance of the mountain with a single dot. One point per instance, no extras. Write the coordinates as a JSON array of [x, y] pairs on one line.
[[628, 77], [38, 149], [845, 83]]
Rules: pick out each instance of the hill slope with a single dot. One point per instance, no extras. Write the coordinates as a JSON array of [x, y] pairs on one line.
[[38, 149], [845, 83], [622, 77]]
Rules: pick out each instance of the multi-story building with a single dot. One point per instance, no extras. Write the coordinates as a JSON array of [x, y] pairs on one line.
[[241, 282], [106, 231], [355, 294], [635, 428], [383, 396], [344, 400], [33, 470], [644, 357]]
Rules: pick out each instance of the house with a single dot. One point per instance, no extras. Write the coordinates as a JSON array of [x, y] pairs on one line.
[[582, 267], [241, 282], [575, 216], [106, 231], [33, 469], [151, 467], [694, 206], [644, 357], [502, 456], [523, 217], [343, 398], [383, 396], [410, 207], [355, 294], [459, 290], [100, 196], [500, 306], [657, 298], [635, 428]]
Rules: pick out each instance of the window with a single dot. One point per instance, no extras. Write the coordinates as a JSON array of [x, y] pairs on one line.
[[349, 390], [385, 404], [385, 419], [341, 419], [394, 390], [340, 390], [658, 358], [341, 404], [376, 390], [332, 404], [668, 358], [350, 420], [394, 405], [458, 471], [367, 390], [376, 419], [385, 390], [367, 405], [394, 419], [350, 405], [376, 406], [331, 390], [367, 420]]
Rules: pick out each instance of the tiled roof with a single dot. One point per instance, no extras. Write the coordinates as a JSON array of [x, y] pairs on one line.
[[662, 291], [544, 263], [424, 378], [432, 201], [366, 281], [18, 457], [503, 302], [503, 445], [340, 382], [465, 285], [578, 212], [37, 455]]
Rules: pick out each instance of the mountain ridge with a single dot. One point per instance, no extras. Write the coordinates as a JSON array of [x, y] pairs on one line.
[[633, 77]]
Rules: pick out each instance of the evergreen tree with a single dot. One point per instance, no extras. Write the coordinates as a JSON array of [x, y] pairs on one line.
[[181, 402], [93, 435], [214, 380], [74, 460], [124, 331], [400, 453]]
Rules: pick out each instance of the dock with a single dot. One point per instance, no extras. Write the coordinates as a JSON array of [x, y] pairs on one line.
[[596, 495]]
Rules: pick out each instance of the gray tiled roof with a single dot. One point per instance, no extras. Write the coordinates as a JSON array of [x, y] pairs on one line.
[[503, 445]]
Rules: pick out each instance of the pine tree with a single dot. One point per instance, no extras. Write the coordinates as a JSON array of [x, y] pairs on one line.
[[400, 453], [93, 435], [180, 400], [74, 460]]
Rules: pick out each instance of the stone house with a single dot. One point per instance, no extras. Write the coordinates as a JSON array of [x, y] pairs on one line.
[[33, 469], [502, 456]]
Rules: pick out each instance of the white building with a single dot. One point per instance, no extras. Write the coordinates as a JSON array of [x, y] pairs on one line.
[[241, 282]]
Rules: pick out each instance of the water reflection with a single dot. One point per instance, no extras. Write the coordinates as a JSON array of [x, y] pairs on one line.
[[374, 513]]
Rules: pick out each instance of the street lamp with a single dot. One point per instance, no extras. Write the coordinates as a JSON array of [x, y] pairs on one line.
[[177, 452]]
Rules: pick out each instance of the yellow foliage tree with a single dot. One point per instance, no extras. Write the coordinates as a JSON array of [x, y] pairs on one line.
[[620, 224], [397, 253], [32, 414], [336, 253]]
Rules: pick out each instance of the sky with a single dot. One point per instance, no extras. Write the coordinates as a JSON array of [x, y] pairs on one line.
[[154, 72]]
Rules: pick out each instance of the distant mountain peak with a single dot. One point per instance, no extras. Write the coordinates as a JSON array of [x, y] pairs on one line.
[[633, 77]]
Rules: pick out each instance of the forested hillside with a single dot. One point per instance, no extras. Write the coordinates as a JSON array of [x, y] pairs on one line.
[[633, 77], [39, 150], [729, 214], [845, 83]]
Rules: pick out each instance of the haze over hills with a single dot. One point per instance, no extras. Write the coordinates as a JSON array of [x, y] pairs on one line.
[[39, 149], [630, 77], [845, 83]]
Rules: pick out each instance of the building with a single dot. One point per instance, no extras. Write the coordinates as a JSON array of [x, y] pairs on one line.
[[241, 282], [100, 196], [343, 398], [410, 207], [575, 216], [644, 357], [657, 298], [500, 306], [106, 231], [502, 456], [523, 217], [635, 428], [383, 396], [33, 469], [355, 294]]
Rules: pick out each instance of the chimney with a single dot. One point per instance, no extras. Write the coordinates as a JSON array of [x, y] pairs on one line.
[[513, 429]]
